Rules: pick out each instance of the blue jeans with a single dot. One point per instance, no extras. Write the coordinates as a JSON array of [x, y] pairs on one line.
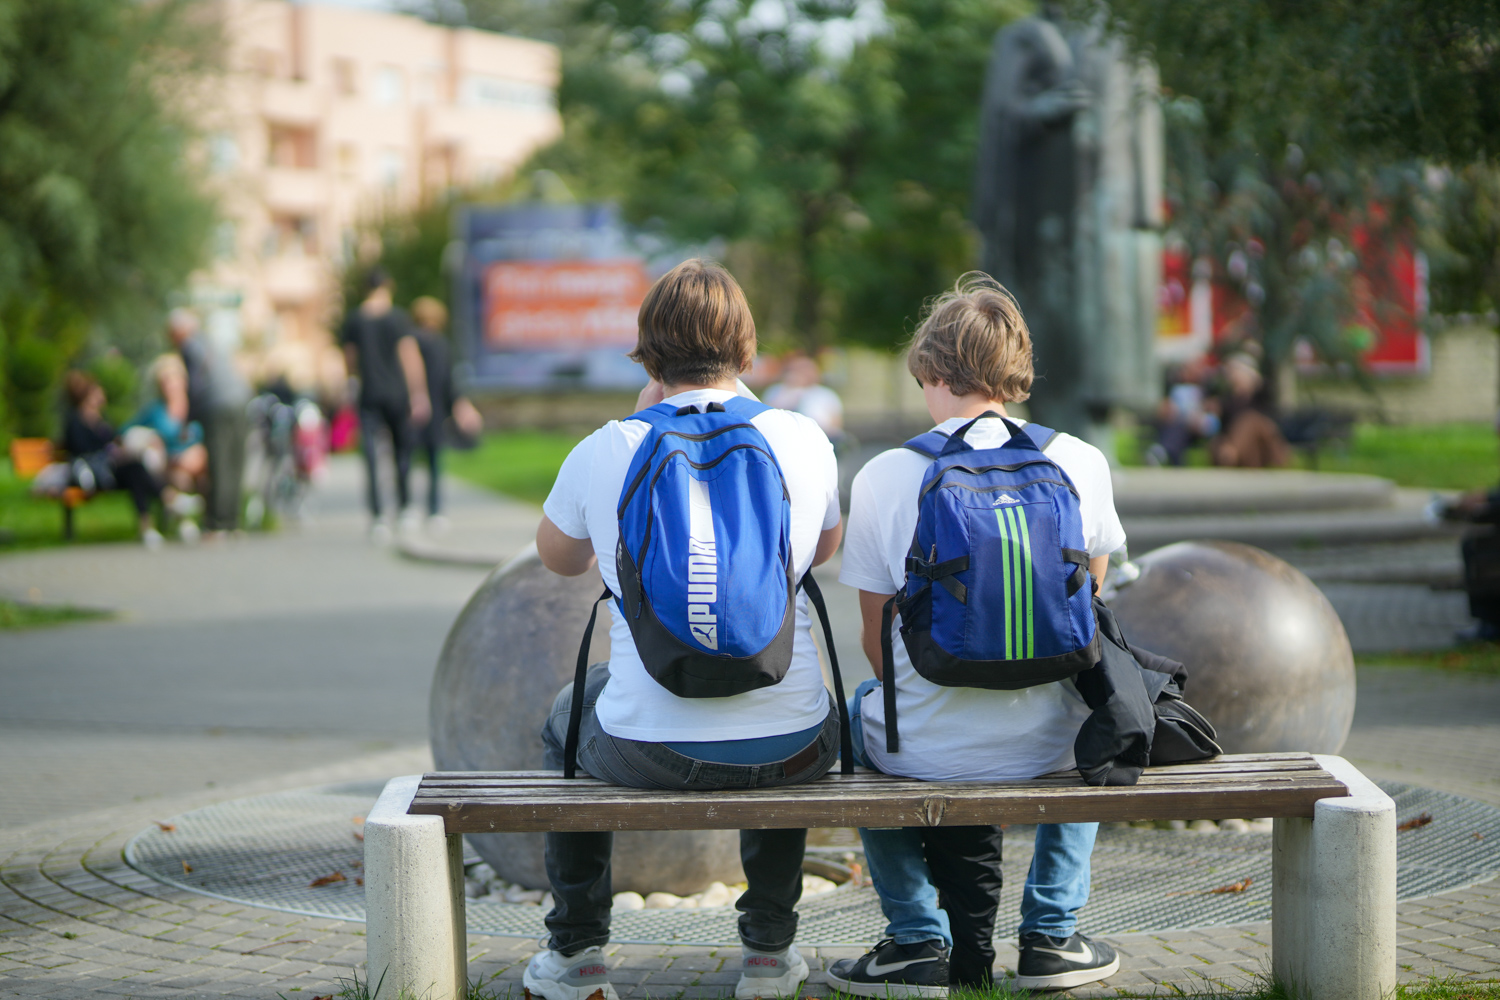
[[1057, 886]]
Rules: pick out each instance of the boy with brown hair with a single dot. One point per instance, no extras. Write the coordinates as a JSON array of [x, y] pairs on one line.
[[696, 336], [939, 887]]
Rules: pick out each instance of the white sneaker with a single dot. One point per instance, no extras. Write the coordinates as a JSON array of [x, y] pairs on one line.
[[770, 973], [410, 522], [186, 505], [151, 538], [380, 533], [556, 976], [438, 525], [187, 531]]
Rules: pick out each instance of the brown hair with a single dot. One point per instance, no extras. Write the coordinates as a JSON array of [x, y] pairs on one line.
[[974, 339], [430, 313], [694, 326], [77, 385]]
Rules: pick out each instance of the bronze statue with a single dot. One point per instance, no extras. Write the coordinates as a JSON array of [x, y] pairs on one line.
[[1068, 201]]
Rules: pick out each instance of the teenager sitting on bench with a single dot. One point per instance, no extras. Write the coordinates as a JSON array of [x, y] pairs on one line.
[[716, 495]]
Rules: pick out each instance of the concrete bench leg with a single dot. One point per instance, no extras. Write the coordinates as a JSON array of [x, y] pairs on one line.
[[1333, 894], [415, 943]]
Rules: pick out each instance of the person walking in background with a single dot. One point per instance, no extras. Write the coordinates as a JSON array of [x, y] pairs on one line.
[[437, 360], [217, 395], [801, 390], [380, 349]]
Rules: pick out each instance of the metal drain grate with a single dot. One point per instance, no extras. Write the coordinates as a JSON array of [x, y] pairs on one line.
[[266, 851]]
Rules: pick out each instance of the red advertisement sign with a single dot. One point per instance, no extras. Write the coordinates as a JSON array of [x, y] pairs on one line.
[[568, 303]]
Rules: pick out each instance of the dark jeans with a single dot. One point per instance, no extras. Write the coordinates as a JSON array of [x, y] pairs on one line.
[[431, 440], [134, 478], [224, 433], [578, 863], [1481, 554], [395, 418], [965, 864]]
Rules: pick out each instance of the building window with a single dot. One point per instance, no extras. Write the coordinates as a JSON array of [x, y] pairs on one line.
[[343, 78], [390, 86], [483, 91], [348, 159], [392, 166], [223, 153], [226, 238], [294, 235], [292, 147]]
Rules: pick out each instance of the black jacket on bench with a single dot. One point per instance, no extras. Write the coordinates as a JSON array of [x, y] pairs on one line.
[[1139, 718]]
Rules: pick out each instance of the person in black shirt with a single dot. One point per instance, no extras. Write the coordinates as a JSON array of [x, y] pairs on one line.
[[432, 318], [90, 439], [380, 349]]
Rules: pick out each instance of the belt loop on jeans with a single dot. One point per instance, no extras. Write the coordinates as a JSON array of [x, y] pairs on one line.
[[754, 775], [693, 771]]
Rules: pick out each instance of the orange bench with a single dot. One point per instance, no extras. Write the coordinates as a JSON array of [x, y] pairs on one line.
[[28, 456]]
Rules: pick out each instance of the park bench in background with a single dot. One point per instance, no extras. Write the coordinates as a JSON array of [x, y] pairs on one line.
[[29, 456], [1334, 864]]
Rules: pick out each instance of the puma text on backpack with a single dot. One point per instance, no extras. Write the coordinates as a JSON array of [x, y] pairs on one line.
[[704, 558], [997, 588]]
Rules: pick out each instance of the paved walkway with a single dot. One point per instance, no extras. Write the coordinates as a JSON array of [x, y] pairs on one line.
[[264, 664]]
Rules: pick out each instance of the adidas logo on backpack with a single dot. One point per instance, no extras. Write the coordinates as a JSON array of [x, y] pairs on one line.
[[997, 588]]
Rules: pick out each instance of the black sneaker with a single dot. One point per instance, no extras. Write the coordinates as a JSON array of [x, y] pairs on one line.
[[894, 970], [1049, 963]]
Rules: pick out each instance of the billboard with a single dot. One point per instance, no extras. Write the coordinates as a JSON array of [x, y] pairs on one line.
[[547, 295]]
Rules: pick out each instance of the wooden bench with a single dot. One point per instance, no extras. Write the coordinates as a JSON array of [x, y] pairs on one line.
[[1334, 845]]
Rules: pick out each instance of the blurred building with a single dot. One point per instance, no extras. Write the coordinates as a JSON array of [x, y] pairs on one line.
[[328, 115]]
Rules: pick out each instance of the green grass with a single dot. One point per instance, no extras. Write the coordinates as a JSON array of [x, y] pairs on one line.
[[1471, 658], [520, 464], [16, 615], [28, 522], [1436, 456]]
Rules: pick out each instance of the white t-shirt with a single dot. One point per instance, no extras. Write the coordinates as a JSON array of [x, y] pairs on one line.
[[633, 706], [952, 733]]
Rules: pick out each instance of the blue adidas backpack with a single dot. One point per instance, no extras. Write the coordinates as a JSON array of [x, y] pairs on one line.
[[997, 590], [704, 559]]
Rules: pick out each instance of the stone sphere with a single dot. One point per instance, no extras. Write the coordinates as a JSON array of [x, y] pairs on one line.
[[1268, 660], [513, 647]]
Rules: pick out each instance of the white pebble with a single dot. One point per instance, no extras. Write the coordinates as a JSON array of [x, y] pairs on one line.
[[816, 885], [717, 894], [1266, 825], [1176, 824], [662, 901], [1234, 826], [1204, 826], [519, 895], [627, 901], [546, 901]]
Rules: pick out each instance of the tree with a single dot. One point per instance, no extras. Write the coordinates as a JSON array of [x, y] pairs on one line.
[[1298, 129], [101, 212]]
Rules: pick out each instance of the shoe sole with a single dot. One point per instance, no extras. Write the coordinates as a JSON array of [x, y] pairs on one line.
[[785, 985], [553, 990], [1068, 980], [882, 990]]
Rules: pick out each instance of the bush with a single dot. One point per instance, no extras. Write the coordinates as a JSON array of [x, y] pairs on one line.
[[33, 369]]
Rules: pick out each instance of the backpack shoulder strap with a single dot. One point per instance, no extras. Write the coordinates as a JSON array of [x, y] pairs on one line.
[[1040, 436], [653, 415], [846, 743], [927, 445], [744, 407]]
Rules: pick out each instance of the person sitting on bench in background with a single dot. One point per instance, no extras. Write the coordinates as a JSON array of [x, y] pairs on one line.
[[696, 336], [939, 886]]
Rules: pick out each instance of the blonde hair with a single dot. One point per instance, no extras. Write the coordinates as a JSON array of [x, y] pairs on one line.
[[167, 364], [974, 339], [694, 326], [430, 313]]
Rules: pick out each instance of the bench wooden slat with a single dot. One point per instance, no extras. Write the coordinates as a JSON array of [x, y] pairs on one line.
[[1275, 785]]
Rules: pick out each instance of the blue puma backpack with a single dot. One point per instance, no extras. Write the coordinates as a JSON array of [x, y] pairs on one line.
[[997, 590], [704, 558]]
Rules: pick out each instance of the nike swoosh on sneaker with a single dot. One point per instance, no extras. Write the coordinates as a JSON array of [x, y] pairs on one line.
[[1083, 953], [876, 969]]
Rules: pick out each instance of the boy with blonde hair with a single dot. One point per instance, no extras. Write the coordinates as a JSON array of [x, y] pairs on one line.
[[939, 886]]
